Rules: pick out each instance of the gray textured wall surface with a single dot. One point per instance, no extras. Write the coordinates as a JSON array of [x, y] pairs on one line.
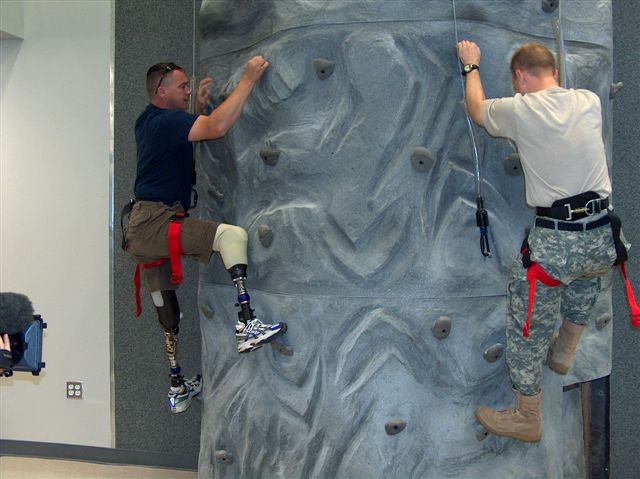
[[368, 250], [625, 375]]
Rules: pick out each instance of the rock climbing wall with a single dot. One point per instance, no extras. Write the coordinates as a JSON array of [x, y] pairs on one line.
[[352, 171]]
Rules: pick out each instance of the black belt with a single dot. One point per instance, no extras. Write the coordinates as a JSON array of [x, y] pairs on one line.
[[573, 210], [565, 226]]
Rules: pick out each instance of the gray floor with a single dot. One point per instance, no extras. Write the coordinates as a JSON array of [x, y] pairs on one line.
[[34, 468]]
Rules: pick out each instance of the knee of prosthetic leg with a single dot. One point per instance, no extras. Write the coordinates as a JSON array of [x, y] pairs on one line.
[[168, 309]]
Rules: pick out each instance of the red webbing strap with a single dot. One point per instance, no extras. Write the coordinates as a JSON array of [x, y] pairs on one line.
[[136, 281], [633, 305], [535, 273], [175, 249], [136, 284]]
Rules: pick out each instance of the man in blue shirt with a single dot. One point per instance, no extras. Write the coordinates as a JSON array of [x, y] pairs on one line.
[[159, 230]]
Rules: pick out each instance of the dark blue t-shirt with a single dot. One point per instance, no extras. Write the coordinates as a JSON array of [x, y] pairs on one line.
[[165, 156]]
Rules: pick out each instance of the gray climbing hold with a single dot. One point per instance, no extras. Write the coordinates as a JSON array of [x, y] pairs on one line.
[[395, 426], [324, 68], [265, 235], [492, 354], [213, 192], [481, 433], [615, 88], [269, 155], [208, 313], [512, 165], [603, 320], [550, 5], [224, 456], [282, 348], [441, 327], [422, 159]]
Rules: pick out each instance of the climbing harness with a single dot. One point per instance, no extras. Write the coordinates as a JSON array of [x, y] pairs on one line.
[[175, 252], [583, 205], [482, 216]]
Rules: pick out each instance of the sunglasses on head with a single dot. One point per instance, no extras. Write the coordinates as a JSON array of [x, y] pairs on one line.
[[167, 69]]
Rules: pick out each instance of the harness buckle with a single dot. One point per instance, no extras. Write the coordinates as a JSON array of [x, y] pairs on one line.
[[591, 207]]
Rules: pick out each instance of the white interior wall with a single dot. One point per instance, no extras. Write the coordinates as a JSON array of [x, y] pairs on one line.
[[55, 143], [11, 19]]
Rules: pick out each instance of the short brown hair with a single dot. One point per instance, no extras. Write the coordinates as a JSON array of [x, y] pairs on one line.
[[156, 73], [533, 58]]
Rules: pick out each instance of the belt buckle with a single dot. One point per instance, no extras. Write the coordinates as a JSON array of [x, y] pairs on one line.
[[591, 207], [569, 212]]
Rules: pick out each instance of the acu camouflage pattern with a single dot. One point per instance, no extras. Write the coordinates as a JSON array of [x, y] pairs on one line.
[[579, 260]]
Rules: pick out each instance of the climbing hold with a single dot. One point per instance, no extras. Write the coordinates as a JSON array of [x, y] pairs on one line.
[[441, 327], [512, 165], [615, 88], [282, 348], [224, 456], [481, 433], [395, 426], [422, 159], [550, 5], [269, 155], [208, 313], [603, 320], [213, 192], [324, 68], [494, 353], [265, 235]]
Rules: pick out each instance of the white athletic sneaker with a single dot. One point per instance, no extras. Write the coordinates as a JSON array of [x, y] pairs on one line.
[[255, 333], [180, 398]]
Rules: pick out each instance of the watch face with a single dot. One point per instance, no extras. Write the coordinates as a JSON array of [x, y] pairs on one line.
[[467, 68]]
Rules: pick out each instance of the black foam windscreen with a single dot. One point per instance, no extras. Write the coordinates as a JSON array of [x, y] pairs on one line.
[[16, 313]]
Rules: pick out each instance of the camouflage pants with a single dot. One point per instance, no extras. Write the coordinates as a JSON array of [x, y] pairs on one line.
[[578, 260]]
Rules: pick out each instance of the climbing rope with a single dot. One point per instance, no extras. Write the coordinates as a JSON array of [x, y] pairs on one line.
[[556, 24], [482, 216]]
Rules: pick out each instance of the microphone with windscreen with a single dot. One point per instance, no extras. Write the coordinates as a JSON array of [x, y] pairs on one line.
[[25, 331]]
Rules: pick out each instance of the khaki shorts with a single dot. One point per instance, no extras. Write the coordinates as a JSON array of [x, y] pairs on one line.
[[146, 234]]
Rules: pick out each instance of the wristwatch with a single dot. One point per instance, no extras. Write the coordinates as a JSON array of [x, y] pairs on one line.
[[469, 67]]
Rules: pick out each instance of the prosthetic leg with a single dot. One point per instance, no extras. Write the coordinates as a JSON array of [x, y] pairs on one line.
[[251, 333], [169, 316]]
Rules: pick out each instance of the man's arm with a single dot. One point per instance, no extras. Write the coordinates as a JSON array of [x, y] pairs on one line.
[[469, 53], [220, 120]]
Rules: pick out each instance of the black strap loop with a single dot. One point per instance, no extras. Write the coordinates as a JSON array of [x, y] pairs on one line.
[[125, 212], [616, 227]]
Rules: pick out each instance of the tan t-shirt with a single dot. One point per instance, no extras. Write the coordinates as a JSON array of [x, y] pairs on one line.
[[558, 133]]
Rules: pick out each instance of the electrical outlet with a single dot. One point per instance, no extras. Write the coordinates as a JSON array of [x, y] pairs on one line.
[[74, 390]]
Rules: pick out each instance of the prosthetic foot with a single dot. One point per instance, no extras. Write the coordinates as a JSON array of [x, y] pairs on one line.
[[180, 396], [251, 333], [254, 333]]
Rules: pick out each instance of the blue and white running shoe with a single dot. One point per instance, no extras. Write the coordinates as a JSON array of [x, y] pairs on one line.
[[180, 398], [255, 333]]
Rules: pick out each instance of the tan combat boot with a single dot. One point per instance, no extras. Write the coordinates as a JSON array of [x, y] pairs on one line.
[[563, 347], [523, 422]]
